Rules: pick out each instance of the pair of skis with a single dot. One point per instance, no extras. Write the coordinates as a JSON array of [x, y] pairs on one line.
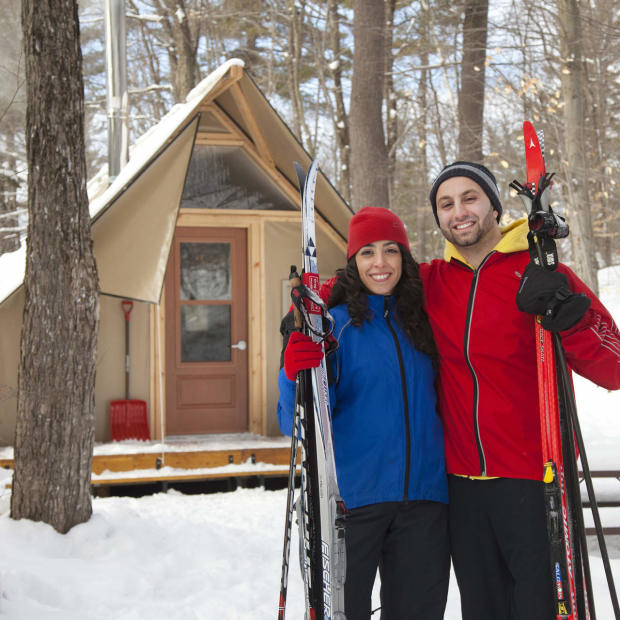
[[570, 569], [320, 509]]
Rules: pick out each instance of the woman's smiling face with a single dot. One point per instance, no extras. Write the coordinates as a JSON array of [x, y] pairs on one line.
[[380, 266]]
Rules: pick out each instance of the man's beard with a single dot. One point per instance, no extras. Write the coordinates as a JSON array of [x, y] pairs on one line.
[[474, 235]]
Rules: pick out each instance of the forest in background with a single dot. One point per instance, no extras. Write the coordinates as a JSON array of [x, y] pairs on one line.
[[428, 65]]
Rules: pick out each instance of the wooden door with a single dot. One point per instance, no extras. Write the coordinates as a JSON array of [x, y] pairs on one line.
[[206, 332]]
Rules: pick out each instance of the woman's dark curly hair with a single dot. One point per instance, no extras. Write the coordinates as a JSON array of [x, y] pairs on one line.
[[408, 296]]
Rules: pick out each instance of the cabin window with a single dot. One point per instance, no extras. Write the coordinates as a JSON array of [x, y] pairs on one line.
[[226, 177], [205, 333], [205, 298], [205, 271]]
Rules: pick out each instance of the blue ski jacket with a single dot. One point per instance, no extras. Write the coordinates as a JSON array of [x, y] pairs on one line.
[[388, 439]]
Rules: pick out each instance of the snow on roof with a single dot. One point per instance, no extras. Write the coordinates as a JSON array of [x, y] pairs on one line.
[[13, 264]]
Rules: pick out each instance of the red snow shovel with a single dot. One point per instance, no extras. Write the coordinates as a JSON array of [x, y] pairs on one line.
[[128, 418]]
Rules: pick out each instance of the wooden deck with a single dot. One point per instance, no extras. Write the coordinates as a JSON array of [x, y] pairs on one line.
[[194, 465], [179, 464]]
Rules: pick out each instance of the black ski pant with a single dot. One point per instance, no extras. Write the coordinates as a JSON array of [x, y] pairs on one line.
[[408, 542], [500, 550]]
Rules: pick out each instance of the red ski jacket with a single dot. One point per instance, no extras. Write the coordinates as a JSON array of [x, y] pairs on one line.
[[487, 388]]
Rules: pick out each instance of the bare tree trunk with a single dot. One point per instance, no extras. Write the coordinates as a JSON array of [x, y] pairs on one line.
[[471, 93], [55, 404], [293, 62], [341, 121], [574, 135], [598, 85], [392, 120], [369, 166], [423, 210], [185, 73], [151, 63]]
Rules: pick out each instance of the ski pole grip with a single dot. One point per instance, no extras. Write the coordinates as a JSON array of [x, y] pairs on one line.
[[295, 281]]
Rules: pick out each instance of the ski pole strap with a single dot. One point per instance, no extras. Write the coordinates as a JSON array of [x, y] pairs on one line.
[[543, 250], [545, 226], [307, 302]]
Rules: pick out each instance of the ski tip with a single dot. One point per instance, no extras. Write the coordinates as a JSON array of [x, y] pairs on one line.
[[530, 136], [534, 156], [301, 176], [314, 165], [311, 177]]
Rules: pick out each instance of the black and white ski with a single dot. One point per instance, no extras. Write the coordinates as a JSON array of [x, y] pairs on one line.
[[321, 510]]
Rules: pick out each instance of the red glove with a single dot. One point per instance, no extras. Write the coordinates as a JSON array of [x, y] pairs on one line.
[[301, 352]]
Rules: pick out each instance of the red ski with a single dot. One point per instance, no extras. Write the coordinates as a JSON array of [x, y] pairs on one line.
[[558, 512], [566, 556]]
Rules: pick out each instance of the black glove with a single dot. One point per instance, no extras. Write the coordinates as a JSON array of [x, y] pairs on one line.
[[547, 293]]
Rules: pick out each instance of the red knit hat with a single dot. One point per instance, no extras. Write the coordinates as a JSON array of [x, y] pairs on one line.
[[371, 224]]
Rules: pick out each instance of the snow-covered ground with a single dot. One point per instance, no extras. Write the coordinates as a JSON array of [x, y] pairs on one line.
[[217, 557], [170, 556]]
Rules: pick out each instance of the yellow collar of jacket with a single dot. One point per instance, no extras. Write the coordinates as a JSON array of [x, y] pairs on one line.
[[514, 239]]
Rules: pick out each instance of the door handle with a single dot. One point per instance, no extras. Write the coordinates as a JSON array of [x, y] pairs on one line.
[[242, 345]]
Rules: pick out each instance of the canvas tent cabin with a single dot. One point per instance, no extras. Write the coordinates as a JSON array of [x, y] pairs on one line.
[[199, 230]]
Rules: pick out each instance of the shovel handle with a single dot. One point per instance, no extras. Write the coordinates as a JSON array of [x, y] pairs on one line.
[[127, 308]]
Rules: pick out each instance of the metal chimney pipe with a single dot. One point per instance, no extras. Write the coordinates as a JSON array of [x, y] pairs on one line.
[[116, 86]]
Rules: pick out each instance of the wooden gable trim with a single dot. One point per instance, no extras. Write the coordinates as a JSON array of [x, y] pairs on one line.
[[223, 118], [256, 136], [220, 139], [235, 73], [252, 125]]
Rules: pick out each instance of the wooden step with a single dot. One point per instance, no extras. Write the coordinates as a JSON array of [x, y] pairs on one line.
[[277, 459], [190, 460]]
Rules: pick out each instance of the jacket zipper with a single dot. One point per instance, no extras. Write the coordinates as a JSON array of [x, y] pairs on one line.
[[470, 308], [386, 309]]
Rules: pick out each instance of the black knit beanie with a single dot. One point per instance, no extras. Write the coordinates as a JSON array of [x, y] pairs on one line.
[[477, 173]]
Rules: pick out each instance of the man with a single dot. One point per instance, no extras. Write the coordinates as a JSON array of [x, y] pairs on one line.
[[488, 394]]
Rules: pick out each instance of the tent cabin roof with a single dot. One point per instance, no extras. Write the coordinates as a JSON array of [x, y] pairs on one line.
[[144, 198]]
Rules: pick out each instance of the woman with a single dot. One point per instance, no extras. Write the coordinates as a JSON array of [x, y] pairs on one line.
[[387, 435]]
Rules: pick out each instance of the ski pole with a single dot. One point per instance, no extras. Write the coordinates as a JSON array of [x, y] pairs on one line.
[[290, 501], [295, 281], [598, 526]]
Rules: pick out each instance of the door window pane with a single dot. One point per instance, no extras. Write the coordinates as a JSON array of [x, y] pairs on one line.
[[205, 271], [205, 333]]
